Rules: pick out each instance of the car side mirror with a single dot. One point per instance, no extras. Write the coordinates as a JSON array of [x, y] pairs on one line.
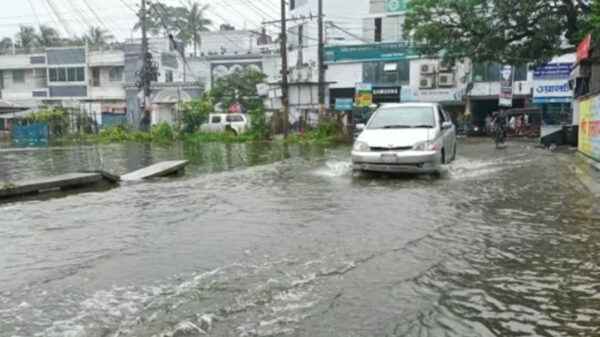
[[447, 125], [360, 127]]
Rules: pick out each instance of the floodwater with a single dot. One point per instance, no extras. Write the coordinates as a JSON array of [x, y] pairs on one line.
[[267, 240]]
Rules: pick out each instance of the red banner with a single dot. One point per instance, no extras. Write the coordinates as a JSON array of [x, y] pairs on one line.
[[583, 50]]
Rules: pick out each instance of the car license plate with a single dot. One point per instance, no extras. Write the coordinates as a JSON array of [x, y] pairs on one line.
[[389, 157]]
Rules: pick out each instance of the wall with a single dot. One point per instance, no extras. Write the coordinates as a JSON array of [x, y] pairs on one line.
[[345, 74]]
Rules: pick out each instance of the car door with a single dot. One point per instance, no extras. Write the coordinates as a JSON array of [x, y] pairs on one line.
[[450, 134], [445, 133], [215, 123]]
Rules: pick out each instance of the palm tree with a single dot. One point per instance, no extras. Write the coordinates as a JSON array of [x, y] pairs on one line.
[[27, 38], [97, 37], [48, 37], [6, 45], [194, 22], [158, 16]]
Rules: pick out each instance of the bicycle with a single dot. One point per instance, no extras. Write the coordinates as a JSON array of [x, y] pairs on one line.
[[499, 135]]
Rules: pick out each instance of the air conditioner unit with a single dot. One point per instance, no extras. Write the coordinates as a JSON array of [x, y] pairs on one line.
[[427, 69], [446, 80], [446, 67], [426, 82]]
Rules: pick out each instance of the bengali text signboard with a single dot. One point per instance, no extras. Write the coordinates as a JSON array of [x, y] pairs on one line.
[[589, 127]]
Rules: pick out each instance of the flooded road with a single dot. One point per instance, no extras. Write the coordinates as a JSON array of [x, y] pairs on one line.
[[276, 241]]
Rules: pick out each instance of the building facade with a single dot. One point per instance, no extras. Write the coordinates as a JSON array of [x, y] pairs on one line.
[[101, 83]]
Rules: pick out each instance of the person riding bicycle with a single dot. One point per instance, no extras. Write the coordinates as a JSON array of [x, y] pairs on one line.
[[500, 120]]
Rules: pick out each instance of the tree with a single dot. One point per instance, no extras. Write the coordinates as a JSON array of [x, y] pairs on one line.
[[592, 23], [195, 113], [97, 37], [185, 23], [506, 31], [239, 86], [6, 45], [194, 23], [160, 19], [48, 37], [27, 38]]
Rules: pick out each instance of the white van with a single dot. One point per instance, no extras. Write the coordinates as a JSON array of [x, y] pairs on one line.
[[235, 123]]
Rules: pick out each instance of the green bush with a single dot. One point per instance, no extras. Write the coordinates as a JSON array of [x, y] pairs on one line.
[[57, 119], [195, 113], [162, 132], [258, 124]]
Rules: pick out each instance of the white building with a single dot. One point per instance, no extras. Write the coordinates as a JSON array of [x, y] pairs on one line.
[[98, 82]]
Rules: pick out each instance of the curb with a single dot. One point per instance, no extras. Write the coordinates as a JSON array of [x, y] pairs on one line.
[[594, 164]]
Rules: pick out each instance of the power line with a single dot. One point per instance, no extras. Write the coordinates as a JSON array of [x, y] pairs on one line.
[[35, 13], [96, 15], [60, 18]]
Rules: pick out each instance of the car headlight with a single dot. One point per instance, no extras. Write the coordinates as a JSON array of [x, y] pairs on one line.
[[425, 146], [361, 147]]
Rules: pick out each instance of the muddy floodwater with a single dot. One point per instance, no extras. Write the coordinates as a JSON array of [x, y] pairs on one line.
[[270, 240]]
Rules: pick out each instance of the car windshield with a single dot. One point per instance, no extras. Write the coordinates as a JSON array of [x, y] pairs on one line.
[[403, 117]]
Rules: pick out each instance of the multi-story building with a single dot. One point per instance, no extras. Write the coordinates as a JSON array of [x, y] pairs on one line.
[[101, 83]]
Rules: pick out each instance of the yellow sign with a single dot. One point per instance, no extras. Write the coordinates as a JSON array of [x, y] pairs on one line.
[[364, 94], [589, 127]]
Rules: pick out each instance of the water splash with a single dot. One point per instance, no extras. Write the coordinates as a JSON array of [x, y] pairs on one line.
[[335, 169]]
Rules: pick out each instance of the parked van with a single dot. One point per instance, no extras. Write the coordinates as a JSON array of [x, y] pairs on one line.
[[234, 123]]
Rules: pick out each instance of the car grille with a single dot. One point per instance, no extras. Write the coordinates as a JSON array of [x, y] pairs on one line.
[[386, 149]]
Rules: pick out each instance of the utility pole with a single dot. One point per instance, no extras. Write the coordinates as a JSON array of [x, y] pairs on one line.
[[285, 99], [321, 65], [145, 73]]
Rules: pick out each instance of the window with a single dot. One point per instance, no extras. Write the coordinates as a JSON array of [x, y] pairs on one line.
[[387, 73], [169, 76], [490, 72], [235, 118], [96, 77], [66, 74], [62, 74], [1, 80], [19, 76], [115, 74], [215, 120], [402, 117], [378, 30], [71, 75], [441, 115], [301, 36], [2, 124]]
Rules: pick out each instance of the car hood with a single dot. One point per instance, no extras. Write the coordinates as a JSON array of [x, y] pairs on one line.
[[396, 137]]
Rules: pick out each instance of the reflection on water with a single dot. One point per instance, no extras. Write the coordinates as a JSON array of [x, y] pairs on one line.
[[21, 163], [268, 240]]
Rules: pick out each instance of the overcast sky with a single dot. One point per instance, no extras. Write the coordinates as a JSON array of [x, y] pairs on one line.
[[118, 17]]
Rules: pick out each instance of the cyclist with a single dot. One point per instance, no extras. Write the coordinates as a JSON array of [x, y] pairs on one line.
[[499, 119]]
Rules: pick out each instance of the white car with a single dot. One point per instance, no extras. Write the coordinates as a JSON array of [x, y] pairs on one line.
[[235, 123], [406, 137]]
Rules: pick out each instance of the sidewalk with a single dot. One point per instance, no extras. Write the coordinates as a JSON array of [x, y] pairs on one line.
[[588, 172]]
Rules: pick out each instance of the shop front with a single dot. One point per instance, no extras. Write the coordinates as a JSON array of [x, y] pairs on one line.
[[553, 95]]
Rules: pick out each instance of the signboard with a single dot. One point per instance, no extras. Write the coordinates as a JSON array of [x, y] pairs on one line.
[[394, 51], [364, 94], [506, 86], [394, 6], [409, 94], [386, 95], [583, 50], [552, 89], [589, 127], [440, 95], [344, 104], [553, 71]]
